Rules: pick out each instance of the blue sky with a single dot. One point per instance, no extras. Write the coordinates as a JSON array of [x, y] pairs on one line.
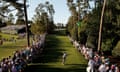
[[61, 10]]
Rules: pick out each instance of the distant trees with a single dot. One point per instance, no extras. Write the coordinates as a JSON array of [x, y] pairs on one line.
[[43, 19], [60, 25], [7, 6], [20, 21], [89, 26], [10, 20], [39, 26], [78, 10], [72, 20], [2, 24]]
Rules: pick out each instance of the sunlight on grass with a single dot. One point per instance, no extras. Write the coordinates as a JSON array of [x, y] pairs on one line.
[[7, 36], [9, 47]]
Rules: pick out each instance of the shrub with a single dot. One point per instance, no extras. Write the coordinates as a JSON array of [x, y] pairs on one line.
[[106, 45], [116, 50]]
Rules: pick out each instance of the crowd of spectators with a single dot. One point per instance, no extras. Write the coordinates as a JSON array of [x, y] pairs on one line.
[[21, 58], [97, 62]]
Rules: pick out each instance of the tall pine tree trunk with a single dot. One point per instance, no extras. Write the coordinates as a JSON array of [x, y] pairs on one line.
[[26, 23], [100, 29]]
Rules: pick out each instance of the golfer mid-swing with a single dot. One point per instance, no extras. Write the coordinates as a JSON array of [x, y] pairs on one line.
[[64, 58]]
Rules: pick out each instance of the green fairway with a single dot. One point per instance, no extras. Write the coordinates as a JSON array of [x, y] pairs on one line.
[[51, 59], [8, 36], [8, 48]]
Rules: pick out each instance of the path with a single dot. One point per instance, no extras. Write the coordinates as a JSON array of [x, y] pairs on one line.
[[52, 57]]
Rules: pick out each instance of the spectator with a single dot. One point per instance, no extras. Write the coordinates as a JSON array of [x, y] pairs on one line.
[[91, 65], [116, 68], [18, 62], [14, 69], [102, 68], [88, 69], [0, 68], [100, 63]]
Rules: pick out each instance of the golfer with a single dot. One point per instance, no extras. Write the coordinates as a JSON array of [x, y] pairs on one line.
[[64, 58]]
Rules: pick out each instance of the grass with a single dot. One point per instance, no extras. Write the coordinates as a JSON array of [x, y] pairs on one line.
[[8, 48], [50, 60], [7, 36]]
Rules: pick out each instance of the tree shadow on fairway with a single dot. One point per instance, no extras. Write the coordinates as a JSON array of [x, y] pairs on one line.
[[51, 52], [50, 59], [49, 68]]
